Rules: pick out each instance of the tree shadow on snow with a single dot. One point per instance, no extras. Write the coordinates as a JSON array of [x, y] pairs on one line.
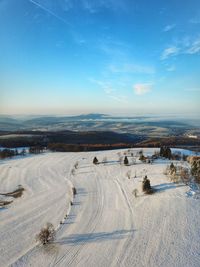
[[95, 237], [3, 208], [166, 186], [81, 191], [110, 162]]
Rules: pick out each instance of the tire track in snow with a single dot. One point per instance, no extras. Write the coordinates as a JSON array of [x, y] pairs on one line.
[[92, 224]]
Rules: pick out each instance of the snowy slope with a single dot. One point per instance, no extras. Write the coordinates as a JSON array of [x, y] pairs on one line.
[[106, 226]]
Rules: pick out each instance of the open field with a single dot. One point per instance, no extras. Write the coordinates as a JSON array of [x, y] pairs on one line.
[[106, 225]]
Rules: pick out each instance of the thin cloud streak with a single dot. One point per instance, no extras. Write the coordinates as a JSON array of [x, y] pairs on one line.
[[48, 11]]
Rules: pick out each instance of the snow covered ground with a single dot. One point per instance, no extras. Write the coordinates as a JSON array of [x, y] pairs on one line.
[[106, 225]]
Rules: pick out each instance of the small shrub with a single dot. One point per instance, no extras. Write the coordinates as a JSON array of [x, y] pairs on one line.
[[135, 193], [73, 172], [128, 174], [142, 157], [185, 175], [141, 152], [74, 191], [76, 165], [46, 234]]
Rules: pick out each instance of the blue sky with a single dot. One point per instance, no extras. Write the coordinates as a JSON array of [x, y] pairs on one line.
[[110, 56]]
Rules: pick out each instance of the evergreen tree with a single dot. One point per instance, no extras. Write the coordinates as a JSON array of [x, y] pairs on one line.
[[146, 185], [165, 152], [126, 161], [95, 160]]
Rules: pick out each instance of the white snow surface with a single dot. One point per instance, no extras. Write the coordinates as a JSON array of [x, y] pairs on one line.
[[106, 225]]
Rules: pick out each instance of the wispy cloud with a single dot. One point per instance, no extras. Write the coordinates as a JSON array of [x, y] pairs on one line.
[[169, 27], [142, 88], [184, 46], [170, 51], [194, 47]]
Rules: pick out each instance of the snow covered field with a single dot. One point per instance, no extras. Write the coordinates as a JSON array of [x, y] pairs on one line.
[[106, 225]]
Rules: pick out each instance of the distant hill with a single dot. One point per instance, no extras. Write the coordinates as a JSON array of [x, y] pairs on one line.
[[143, 127]]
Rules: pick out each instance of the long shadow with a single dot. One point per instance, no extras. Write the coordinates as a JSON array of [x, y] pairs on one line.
[[3, 208], [165, 186], [71, 218], [81, 191], [95, 237], [76, 203], [111, 162]]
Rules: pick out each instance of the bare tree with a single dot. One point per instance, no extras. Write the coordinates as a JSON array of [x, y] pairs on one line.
[[135, 192], [185, 175], [46, 234], [128, 174]]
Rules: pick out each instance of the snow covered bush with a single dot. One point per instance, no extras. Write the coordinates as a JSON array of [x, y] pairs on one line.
[[46, 234]]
